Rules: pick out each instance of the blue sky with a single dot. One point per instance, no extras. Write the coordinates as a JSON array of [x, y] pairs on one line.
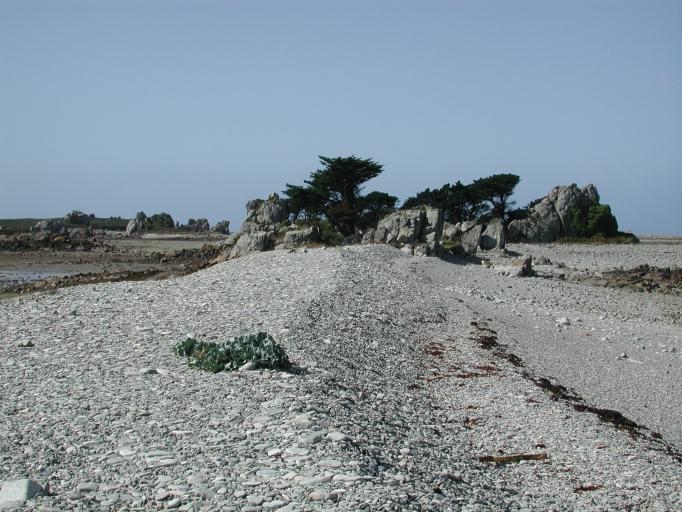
[[195, 107]]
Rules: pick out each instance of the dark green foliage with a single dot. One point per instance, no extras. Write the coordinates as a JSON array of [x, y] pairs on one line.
[[78, 218], [497, 190], [459, 202], [112, 223], [600, 221], [334, 191], [10, 226], [597, 220], [159, 222], [374, 206], [304, 201], [231, 355], [518, 214]]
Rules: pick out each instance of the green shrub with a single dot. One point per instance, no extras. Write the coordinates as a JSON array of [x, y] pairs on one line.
[[217, 357], [600, 221], [597, 220]]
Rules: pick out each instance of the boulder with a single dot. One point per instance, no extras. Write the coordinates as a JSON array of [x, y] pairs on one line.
[[256, 241], [494, 236], [522, 267], [15, 493], [302, 236], [550, 218], [471, 239], [222, 227]]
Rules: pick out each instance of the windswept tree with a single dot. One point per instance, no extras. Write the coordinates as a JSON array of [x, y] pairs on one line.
[[335, 190], [497, 190]]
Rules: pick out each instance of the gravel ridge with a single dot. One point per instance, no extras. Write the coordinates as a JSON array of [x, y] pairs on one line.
[[395, 403]]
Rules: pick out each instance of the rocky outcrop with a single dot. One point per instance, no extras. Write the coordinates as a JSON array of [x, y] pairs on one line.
[[196, 225], [264, 215], [259, 229], [222, 227], [550, 218], [137, 225], [416, 230], [466, 238]]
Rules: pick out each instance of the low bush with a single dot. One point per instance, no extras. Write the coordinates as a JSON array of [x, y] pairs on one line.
[[597, 220], [259, 348], [619, 238]]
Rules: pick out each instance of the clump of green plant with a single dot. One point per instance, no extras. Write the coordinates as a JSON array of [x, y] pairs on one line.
[[597, 220], [259, 348]]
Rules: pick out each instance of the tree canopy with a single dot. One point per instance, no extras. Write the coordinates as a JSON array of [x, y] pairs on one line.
[[334, 191], [461, 202], [497, 190]]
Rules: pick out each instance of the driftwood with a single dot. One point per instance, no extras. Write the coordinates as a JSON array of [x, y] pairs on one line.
[[501, 459]]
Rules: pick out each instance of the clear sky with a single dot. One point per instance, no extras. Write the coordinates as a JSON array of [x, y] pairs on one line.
[[194, 107]]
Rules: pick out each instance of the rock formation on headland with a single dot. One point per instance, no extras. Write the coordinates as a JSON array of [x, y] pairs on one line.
[[550, 217], [418, 231]]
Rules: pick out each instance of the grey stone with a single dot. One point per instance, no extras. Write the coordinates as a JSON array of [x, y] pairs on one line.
[[305, 235], [471, 239], [87, 487], [320, 496], [336, 436], [20, 491], [522, 267], [409, 228], [494, 236], [256, 241]]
